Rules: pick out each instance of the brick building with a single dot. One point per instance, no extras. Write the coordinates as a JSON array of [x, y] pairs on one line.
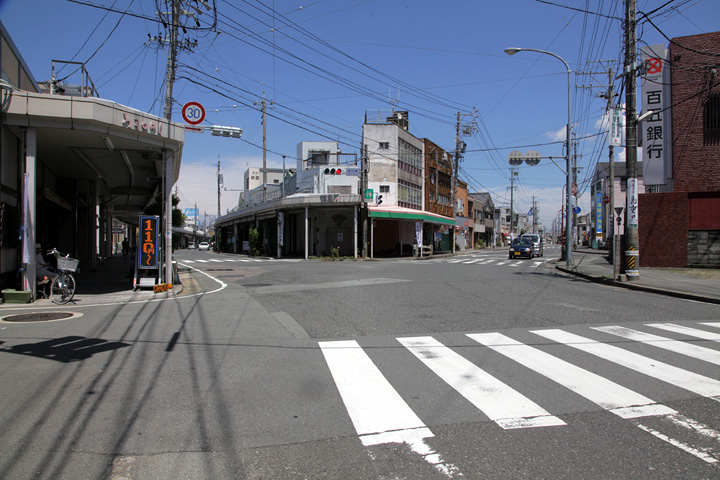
[[679, 223]]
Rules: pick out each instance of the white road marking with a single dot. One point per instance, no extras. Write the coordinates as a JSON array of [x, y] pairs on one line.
[[609, 395], [702, 455], [377, 411], [683, 348], [705, 386], [692, 332], [505, 406]]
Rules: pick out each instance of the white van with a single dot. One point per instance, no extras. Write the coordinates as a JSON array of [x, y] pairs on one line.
[[537, 243]]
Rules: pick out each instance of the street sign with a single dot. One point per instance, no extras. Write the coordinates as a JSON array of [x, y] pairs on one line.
[[618, 211], [606, 199], [148, 250], [368, 195], [576, 210], [193, 113], [573, 189]]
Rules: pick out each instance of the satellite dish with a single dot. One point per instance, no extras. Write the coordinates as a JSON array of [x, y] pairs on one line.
[[515, 158], [532, 157]]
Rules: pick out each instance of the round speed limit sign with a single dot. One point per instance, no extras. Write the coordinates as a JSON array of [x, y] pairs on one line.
[[193, 113]]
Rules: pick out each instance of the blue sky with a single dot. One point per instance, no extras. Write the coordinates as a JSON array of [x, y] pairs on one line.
[[323, 63]]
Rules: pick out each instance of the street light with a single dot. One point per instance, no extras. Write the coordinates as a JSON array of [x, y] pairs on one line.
[[568, 218]]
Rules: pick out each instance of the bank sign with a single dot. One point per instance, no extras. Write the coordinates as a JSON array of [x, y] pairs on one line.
[[655, 130]]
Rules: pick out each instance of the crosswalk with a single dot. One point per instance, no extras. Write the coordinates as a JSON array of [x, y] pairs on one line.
[[233, 260], [494, 260], [600, 365]]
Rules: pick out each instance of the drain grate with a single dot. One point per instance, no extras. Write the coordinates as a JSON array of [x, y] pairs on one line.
[[37, 317]]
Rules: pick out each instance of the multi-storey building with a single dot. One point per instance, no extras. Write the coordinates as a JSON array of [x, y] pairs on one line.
[[483, 219], [396, 174]]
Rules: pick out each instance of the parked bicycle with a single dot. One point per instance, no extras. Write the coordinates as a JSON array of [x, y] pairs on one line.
[[62, 288]]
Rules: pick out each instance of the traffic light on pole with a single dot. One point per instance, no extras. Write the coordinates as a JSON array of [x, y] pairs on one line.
[[378, 201], [333, 171]]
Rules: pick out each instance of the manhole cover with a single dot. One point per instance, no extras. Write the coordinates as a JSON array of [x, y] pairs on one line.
[[37, 317]]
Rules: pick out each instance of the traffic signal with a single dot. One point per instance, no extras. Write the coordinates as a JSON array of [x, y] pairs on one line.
[[379, 199], [333, 171]]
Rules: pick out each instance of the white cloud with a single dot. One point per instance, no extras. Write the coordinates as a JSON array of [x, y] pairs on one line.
[[557, 135]]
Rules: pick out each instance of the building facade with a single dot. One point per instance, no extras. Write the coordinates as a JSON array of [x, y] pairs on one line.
[[679, 224]]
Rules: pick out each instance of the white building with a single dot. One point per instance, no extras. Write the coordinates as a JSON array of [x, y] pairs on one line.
[[322, 168]]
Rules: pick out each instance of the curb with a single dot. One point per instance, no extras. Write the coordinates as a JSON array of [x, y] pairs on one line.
[[640, 288]]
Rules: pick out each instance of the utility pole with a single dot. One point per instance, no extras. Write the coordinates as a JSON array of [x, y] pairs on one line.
[[363, 187], [465, 130], [513, 174], [632, 237], [172, 59], [609, 96], [264, 122], [220, 182], [534, 214]]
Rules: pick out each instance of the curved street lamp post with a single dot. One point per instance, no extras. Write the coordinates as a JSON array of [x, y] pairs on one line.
[[568, 206]]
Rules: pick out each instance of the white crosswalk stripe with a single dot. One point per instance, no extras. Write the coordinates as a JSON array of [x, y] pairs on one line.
[[381, 415], [683, 348], [693, 332], [507, 407], [705, 386], [609, 395]]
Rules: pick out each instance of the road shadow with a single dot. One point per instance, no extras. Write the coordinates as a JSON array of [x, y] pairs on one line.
[[66, 349]]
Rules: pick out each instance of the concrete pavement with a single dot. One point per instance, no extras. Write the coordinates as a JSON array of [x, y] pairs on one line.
[[111, 282], [694, 284]]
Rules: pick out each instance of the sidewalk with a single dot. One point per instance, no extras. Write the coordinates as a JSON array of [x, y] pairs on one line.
[[110, 282], [695, 284]]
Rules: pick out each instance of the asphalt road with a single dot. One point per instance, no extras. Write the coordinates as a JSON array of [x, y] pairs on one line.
[[474, 366]]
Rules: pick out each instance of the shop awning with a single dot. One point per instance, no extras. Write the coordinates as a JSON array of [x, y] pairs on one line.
[[401, 213]]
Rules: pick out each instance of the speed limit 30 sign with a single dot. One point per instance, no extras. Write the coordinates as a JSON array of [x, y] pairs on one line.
[[193, 113]]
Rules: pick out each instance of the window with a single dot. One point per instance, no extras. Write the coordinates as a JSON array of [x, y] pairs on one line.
[[384, 188], [711, 120], [384, 145]]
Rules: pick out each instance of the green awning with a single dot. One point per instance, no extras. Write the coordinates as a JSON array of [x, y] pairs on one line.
[[408, 214]]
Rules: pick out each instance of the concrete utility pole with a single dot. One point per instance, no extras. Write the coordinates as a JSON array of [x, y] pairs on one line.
[[264, 121], [465, 130], [534, 214], [363, 187], [632, 237], [220, 181], [172, 59], [513, 174]]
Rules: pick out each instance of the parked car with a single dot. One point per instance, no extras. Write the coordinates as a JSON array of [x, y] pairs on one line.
[[521, 247], [191, 245], [204, 246], [537, 241]]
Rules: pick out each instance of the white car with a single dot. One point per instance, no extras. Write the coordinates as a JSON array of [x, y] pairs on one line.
[[204, 246]]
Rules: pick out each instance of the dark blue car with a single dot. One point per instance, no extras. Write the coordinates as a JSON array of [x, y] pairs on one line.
[[521, 247]]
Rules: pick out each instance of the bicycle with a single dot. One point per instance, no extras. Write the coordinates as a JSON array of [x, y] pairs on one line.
[[62, 288]]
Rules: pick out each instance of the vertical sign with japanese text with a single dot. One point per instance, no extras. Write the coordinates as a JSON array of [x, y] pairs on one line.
[[654, 132], [598, 214], [148, 242], [632, 203], [616, 126]]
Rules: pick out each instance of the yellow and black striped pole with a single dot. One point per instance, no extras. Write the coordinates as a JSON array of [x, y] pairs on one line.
[[631, 262]]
